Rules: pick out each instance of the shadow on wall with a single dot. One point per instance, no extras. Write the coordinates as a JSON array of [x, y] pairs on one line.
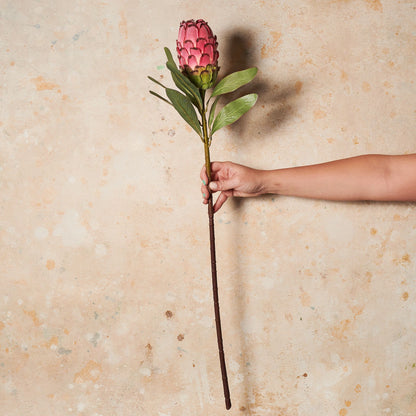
[[276, 99], [277, 102]]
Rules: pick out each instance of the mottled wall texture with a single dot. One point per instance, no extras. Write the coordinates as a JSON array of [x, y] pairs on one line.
[[105, 297]]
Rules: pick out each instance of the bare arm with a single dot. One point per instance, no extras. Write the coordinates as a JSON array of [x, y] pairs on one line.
[[367, 177]]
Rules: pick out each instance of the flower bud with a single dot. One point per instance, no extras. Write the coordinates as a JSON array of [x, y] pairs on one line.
[[197, 53]]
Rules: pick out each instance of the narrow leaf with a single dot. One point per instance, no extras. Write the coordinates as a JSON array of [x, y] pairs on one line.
[[173, 68], [233, 81], [159, 96], [179, 82], [170, 58], [212, 112], [233, 111], [184, 107], [157, 82], [184, 84]]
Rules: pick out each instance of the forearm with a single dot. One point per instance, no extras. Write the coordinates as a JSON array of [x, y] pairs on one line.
[[368, 177]]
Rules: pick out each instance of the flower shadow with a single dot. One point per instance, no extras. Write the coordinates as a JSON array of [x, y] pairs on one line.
[[276, 99]]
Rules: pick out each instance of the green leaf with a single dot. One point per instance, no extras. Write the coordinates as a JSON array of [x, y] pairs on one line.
[[233, 111], [170, 58], [184, 107], [159, 96], [157, 82], [212, 112], [182, 82], [233, 81], [185, 85]]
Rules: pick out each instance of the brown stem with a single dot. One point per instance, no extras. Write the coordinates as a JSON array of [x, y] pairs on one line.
[[217, 306], [214, 267]]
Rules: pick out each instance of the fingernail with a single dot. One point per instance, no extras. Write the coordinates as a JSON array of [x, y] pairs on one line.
[[213, 186], [204, 182], [204, 195]]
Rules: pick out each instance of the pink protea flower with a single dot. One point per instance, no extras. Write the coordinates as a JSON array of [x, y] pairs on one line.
[[197, 53]]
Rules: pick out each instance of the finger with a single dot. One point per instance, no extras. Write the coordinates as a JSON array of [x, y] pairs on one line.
[[223, 185], [220, 201], [215, 168], [205, 193], [204, 188], [203, 175]]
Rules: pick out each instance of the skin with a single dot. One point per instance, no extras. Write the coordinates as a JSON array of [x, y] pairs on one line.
[[361, 178]]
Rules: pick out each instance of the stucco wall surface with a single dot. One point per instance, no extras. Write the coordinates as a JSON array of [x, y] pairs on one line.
[[105, 296]]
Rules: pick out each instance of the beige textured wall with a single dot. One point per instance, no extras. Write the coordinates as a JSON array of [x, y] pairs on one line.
[[105, 296]]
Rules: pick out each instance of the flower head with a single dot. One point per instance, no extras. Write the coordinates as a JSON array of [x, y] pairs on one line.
[[197, 53]]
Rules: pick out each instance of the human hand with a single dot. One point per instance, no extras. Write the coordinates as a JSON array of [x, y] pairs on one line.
[[230, 179]]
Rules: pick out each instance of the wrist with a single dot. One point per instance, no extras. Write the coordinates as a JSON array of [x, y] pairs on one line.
[[269, 181]]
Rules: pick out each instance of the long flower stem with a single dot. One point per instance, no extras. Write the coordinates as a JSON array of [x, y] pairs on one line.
[[214, 262]]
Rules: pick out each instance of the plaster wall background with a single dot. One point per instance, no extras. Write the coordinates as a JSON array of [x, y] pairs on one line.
[[105, 296]]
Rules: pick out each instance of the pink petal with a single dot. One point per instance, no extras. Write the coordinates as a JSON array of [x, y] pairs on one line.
[[200, 43], [205, 60], [192, 62], [197, 53], [184, 53], [181, 34], [211, 41], [192, 33], [204, 32], [209, 50], [182, 62], [188, 45]]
